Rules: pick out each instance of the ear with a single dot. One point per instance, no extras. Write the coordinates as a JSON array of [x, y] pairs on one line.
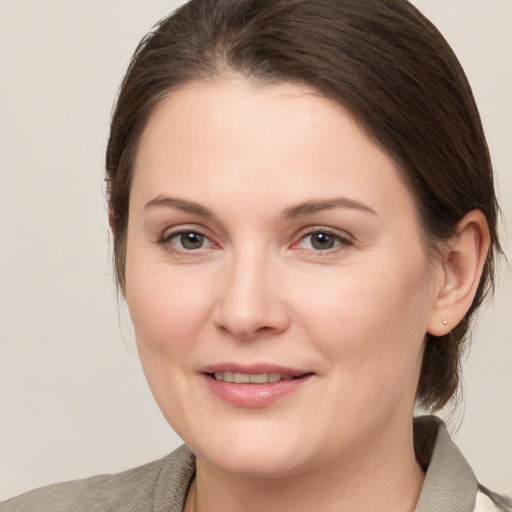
[[462, 263]]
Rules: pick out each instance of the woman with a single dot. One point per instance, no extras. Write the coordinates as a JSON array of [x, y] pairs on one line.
[[304, 224]]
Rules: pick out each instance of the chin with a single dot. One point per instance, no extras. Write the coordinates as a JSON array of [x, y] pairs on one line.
[[264, 454], [255, 463]]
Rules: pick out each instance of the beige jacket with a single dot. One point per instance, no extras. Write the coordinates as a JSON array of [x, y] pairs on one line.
[[162, 486]]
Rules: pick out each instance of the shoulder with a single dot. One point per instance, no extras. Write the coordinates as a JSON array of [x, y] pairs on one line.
[[159, 485]]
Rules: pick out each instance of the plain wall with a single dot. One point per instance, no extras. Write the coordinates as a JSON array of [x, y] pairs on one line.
[[73, 399]]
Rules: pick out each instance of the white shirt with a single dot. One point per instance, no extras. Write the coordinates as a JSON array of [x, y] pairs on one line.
[[483, 503]]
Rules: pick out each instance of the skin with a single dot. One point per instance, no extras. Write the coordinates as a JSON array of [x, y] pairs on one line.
[[257, 291]]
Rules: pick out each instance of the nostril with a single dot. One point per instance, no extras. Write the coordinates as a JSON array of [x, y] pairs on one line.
[[264, 329]]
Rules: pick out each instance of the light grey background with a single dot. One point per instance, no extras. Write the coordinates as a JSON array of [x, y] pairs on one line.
[[73, 399]]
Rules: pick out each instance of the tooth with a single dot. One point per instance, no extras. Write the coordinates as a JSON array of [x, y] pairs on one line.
[[241, 378], [261, 378]]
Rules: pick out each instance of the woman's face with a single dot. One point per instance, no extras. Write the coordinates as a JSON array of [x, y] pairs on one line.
[[271, 240]]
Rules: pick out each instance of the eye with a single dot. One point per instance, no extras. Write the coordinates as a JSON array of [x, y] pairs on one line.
[[322, 240], [186, 241]]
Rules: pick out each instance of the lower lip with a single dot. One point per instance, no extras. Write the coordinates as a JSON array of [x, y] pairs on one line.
[[254, 395]]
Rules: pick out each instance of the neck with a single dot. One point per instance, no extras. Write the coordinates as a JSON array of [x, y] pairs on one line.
[[385, 477]]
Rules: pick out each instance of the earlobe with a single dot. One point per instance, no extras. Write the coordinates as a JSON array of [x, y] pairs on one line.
[[462, 265]]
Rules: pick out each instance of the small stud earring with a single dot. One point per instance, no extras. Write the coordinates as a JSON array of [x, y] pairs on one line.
[[445, 322]]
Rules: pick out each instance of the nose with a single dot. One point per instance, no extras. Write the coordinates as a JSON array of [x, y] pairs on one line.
[[252, 304]]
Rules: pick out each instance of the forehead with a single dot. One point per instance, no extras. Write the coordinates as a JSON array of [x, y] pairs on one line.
[[228, 112], [242, 137]]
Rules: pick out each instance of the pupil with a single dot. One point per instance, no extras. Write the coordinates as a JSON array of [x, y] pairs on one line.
[[322, 241], [192, 240]]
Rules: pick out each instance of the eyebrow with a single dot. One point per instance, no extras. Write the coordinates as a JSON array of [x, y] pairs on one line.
[[179, 204], [292, 212], [309, 207]]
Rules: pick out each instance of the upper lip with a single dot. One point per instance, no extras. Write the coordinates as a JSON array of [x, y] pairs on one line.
[[254, 369]]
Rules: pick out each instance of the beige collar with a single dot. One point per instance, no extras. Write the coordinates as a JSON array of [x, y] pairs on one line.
[[450, 484]]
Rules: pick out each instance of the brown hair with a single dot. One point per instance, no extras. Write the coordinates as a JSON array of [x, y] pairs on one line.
[[383, 61]]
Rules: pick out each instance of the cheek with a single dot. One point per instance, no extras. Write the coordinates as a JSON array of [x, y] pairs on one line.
[[360, 317], [371, 332], [168, 310]]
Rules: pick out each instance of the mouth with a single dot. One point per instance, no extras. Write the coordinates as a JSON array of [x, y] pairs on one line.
[[252, 378], [254, 386]]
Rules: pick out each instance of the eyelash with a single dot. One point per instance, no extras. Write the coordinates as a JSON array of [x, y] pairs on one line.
[[340, 241], [166, 238]]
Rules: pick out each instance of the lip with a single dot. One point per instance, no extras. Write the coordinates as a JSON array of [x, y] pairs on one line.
[[254, 395], [254, 369]]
